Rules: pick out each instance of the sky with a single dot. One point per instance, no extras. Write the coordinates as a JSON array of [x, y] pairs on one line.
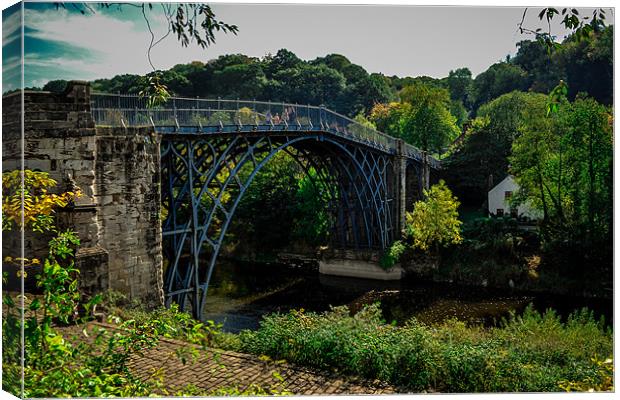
[[393, 40]]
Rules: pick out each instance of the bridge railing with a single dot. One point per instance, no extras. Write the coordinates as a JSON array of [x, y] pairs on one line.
[[213, 115], [413, 152]]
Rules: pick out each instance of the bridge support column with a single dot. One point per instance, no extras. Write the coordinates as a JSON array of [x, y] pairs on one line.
[[426, 171], [400, 175]]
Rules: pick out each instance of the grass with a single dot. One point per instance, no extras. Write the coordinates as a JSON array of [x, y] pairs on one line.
[[528, 353]]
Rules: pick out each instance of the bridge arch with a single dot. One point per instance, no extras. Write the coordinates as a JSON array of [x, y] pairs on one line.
[[208, 170]]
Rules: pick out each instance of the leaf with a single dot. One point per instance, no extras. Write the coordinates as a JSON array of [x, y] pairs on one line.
[[35, 305]]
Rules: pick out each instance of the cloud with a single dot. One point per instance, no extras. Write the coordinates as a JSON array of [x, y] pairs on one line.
[[11, 25], [90, 46]]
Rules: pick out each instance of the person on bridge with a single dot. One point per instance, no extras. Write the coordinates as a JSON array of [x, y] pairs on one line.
[[276, 119], [293, 115], [285, 115], [268, 117]]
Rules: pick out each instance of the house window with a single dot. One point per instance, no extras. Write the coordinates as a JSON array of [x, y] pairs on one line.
[[500, 212], [507, 195]]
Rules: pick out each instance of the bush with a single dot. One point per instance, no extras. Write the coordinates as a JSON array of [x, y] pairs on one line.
[[169, 322], [392, 255], [532, 352]]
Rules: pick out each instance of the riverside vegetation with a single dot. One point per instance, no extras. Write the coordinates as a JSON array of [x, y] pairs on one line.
[[528, 352], [49, 364]]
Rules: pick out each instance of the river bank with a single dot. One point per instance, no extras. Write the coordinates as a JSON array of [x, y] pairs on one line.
[[531, 352], [242, 293]]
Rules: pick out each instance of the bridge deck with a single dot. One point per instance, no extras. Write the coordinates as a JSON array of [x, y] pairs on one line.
[[217, 116]]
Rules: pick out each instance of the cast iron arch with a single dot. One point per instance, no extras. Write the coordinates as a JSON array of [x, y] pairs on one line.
[[191, 168]]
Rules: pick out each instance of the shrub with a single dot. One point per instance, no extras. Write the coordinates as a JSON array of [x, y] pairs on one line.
[[532, 352], [392, 255], [434, 221]]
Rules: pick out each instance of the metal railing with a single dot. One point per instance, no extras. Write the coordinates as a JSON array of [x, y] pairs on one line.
[[196, 115]]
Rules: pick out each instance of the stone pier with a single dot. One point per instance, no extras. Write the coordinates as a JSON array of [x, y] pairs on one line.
[[118, 172], [357, 264]]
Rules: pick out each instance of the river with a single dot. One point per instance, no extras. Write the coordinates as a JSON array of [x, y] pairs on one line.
[[241, 293]]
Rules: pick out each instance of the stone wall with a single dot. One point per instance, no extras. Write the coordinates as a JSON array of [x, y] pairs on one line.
[[127, 184], [118, 172]]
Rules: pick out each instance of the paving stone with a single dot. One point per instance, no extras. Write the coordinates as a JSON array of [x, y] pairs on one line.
[[230, 369]]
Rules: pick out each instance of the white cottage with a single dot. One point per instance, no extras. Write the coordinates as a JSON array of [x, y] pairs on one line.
[[499, 201]]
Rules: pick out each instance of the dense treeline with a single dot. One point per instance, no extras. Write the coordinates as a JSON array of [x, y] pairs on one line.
[[483, 127], [348, 88]]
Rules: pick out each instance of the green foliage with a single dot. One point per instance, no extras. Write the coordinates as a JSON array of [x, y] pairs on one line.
[[269, 201], [27, 202], [312, 218], [282, 194], [155, 91], [169, 323], [604, 383], [483, 152], [498, 79], [460, 85], [423, 118], [434, 221], [556, 97], [563, 164], [56, 86], [532, 352], [392, 255], [428, 124], [387, 117]]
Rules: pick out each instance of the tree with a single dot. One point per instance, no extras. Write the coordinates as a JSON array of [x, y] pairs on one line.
[[284, 59], [460, 85], [498, 79], [311, 85], [563, 164], [387, 117], [267, 203], [434, 222], [57, 86], [459, 112], [125, 83], [534, 162], [480, 158], [334, 61], [246, 81], [312, 218], [543, 70], [580, 26], [587, 65], [428, 124]]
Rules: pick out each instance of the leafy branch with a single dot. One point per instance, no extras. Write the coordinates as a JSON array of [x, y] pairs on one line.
[[580, 26]]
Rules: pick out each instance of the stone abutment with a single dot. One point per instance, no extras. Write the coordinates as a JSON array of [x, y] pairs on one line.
[[118, 172]]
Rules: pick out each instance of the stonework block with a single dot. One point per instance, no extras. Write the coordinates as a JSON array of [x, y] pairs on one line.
[[117, 171]]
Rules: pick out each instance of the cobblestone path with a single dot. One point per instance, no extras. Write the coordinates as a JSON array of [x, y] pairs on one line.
[[216, 368]]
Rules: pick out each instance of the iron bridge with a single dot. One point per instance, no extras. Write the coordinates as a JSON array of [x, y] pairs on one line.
[[211, 150]]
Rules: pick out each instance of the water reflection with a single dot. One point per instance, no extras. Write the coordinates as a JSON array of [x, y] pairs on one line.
[[241, 293]]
